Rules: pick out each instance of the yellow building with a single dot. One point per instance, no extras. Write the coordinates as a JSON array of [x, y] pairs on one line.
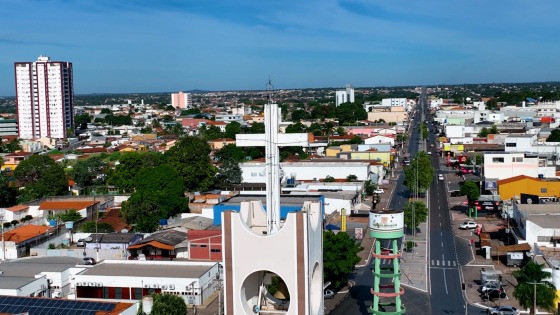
[[332, 151], [515, 186], [383, 157]]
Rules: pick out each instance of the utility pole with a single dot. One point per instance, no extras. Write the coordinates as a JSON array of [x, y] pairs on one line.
[[3, 239]]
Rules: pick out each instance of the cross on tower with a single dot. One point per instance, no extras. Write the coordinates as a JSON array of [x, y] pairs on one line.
[[272, 140]]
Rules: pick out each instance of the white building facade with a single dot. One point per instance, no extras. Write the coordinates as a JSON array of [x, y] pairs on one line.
[[345, 96], [44, 98]]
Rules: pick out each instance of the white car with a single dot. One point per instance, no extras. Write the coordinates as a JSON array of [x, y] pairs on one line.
[[379, 191], [440, 177], [467, 225], [329, 294], [503, 310]]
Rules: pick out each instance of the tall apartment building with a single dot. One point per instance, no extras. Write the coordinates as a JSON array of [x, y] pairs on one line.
[[44, 98], [182, 100], [345, 96]]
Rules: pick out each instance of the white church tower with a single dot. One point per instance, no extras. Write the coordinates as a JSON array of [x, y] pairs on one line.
[[263, 254]]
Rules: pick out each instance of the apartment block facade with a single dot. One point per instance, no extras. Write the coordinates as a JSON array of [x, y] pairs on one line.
[[44, 98]]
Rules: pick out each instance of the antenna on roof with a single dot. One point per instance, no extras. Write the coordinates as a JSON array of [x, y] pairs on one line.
[[269, 90]]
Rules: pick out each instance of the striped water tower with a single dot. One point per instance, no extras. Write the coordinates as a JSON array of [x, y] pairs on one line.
[[387, 228]]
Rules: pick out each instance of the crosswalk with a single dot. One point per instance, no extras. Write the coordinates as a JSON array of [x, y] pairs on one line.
[[443, 263]]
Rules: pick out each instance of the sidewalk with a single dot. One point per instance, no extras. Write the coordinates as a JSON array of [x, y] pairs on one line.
[[414, 264]]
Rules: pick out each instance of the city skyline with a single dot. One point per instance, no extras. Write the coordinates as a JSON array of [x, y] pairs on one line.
[[149, 46]]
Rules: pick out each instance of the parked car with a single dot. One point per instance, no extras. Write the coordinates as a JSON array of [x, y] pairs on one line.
[[81, 243], [467, 225], [379, 191], [494, 294], [503, 310], [89, 261], [329, 294], [491, 287], [440, 177]]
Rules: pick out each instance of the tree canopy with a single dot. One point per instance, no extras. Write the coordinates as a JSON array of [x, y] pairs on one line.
[[190, 157], [90, 171], [229, 173], [470, 189], [340, 255], [526, 278], [129, 164], [8, 193], [41, 176], [350, 113], [554, 136], [420, 168], [168, 304], [415, 213], [90, 227], [159, 195]]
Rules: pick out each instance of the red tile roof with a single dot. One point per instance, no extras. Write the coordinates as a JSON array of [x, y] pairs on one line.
[[24, 233], [18, 208], [66, 205]]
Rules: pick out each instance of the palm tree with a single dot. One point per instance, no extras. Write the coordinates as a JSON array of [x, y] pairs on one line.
[[532, 277]]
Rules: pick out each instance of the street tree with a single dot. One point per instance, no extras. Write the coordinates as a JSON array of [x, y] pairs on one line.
[[340, 255], [349, 113], [528, 278], [190, 157], [470, 189], [418, 175], [415, 213], [168, 304], [257, 128], [483, 132], [369, 187], [229, 173], [493, 130], [40, 176], [210, 132], [230, 151], [129, 164]]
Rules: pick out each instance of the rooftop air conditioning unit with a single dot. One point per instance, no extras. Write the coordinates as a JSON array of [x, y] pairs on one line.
[[171, 287], [155, 286], [164, 287]]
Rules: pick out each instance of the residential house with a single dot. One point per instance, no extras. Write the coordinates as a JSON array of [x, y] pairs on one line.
[[164, 245]]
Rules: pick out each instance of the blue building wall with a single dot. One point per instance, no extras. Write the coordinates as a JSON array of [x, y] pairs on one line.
[[284, 210]]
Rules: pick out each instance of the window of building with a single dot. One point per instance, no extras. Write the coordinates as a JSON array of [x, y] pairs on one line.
[[544, 190], [511, 144], [118, 293], [518, 160], [215, 250], [498, 160], [203, 246]]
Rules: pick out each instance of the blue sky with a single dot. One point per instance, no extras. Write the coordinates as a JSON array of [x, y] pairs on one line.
[[168, 45]]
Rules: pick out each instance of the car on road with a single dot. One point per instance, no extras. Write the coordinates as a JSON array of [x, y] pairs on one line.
[[467, 225], [329, 294], [379, 191], [81, 243], [429, 152], [440, 177], [89, 261], [503, 310]]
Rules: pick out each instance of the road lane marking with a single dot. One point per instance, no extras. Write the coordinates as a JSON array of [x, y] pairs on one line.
[[441, 244], [437, 262], [445, 281]]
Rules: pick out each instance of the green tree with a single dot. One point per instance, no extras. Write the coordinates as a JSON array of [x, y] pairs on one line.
[[483, 132], [479, 159], [296, 128], [90, 171], [470, 189], [8, 193], [159, 195], [340, 255], [90, 227], [420, 171], [351, 178], [69, 216], [415, 211], [554, 136], [341, 131], [229, 173], [328, 179], [106, 111], [190, 157], [300, 114], [40, 176], [168, 304], [11, 147], [256, 128], [231, 151], [369, 187], [82, 120], [190, 111], [348, 113], [210, 132], [524, 291], [232, 129], [493, 130]]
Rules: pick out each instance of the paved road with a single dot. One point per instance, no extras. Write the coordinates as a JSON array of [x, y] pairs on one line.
[[360, 298]]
